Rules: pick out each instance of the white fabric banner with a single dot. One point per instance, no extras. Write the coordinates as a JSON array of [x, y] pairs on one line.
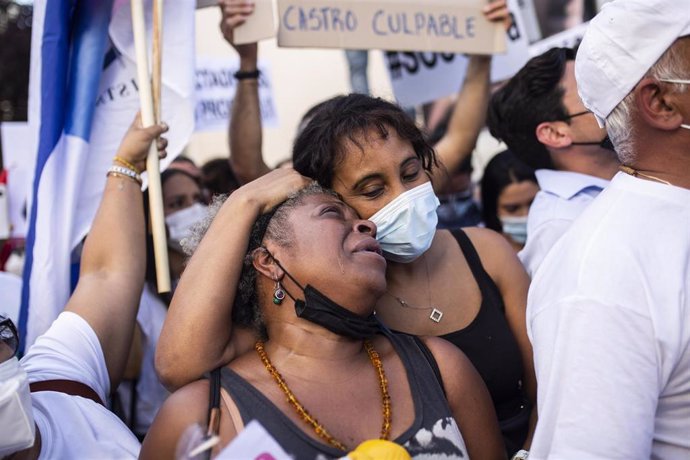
[[215, 92]]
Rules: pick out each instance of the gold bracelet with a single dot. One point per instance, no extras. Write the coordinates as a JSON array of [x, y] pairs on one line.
[[124, 162]]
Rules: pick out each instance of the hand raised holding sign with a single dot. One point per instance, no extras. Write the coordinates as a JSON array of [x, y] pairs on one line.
[[498, 12], [235, 13], [469, 113], [245, 150]]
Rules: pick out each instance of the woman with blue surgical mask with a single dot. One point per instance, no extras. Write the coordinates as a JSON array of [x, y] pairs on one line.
[[508, 189], [465, 286]]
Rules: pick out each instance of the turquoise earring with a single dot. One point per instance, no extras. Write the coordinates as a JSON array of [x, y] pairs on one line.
[[278, 294]]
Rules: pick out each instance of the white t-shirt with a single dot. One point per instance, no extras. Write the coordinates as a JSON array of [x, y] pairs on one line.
[[151, 393], [608, 315], [72, 426], [562, 197]]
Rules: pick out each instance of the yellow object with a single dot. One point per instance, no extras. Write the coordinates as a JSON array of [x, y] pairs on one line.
[[378, 449], [126, 163]]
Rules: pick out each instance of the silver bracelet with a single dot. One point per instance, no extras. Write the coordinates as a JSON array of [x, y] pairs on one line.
[[116, 169]]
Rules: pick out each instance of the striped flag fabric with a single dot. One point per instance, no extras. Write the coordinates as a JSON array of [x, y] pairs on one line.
[[82, 98]]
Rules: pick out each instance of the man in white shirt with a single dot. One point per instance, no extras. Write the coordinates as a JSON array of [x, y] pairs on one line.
[[63, 381], [541, 118], [609, 310]]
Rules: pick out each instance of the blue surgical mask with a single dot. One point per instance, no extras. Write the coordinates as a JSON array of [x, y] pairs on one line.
[[515, 227], [406, 226]]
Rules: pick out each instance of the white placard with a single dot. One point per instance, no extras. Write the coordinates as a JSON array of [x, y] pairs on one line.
[[418, 78], [215, 92]]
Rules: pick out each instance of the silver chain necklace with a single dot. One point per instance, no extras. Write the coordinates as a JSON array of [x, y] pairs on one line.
[[436, 315]]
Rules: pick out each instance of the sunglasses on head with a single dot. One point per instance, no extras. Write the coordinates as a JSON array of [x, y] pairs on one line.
[[8, 335]]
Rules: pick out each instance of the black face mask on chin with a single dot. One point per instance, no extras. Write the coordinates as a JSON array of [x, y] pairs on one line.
[[605, 143], [320, 310]]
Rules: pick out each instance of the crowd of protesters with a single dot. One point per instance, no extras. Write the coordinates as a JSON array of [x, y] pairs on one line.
[[368, 289]]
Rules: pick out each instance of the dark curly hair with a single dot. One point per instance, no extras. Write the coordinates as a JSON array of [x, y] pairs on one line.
[[534, 95], [320, 145]]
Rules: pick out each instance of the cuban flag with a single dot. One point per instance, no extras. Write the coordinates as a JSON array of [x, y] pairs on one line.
[[82, 98]]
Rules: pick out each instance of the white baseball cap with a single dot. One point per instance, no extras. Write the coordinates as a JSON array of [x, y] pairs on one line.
[[621, 44]]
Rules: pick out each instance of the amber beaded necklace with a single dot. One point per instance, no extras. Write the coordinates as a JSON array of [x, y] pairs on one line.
[[309, 419]]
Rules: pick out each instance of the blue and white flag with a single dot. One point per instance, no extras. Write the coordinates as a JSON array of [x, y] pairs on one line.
[[82, 98]]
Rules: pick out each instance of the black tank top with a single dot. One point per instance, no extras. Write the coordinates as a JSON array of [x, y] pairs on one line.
[[490, 345], [433, 434]]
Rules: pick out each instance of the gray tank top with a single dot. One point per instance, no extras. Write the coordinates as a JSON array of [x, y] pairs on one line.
[[433, 434]]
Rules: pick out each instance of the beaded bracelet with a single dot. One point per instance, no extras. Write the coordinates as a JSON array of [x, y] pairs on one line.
[[126, 163], [119, 170]]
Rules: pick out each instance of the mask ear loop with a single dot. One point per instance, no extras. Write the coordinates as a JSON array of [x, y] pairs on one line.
[[286, 273]]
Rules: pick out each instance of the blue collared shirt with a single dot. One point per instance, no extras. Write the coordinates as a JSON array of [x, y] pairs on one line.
[[563, 196]]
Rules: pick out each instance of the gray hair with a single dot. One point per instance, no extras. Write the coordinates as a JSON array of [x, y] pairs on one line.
[[271, 226], [618, 123], [198, 230]]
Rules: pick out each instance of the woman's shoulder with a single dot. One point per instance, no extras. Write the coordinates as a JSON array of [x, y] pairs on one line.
[[494, 251], [491, 247], [481, 238], [457, 371], [188, 402], [183, 408]]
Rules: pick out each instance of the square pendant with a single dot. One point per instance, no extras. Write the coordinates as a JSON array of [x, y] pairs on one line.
[[436, 315]]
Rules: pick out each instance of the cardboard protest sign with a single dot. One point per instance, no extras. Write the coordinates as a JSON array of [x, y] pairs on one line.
[[401, 25], [418, 78], [260, 24], [215, 92]]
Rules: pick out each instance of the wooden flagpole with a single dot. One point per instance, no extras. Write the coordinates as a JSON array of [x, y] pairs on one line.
[[148, 118]]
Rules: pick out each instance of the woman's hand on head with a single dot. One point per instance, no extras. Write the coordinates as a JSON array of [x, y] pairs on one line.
[[273, 188], [497, 11], [134, 147]]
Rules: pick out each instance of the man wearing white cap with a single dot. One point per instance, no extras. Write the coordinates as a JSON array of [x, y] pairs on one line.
[[609, 309]]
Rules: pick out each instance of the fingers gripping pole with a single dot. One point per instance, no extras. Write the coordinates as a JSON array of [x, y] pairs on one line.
[[160, 247]]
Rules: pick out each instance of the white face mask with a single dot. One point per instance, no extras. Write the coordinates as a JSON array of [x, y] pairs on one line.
[[15, 263], [180, 223], [16, 413], [515, 227], [406, 226]]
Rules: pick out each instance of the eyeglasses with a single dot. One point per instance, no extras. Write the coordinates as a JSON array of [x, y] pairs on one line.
[[675, 80], [8, 335], [570, 116]]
